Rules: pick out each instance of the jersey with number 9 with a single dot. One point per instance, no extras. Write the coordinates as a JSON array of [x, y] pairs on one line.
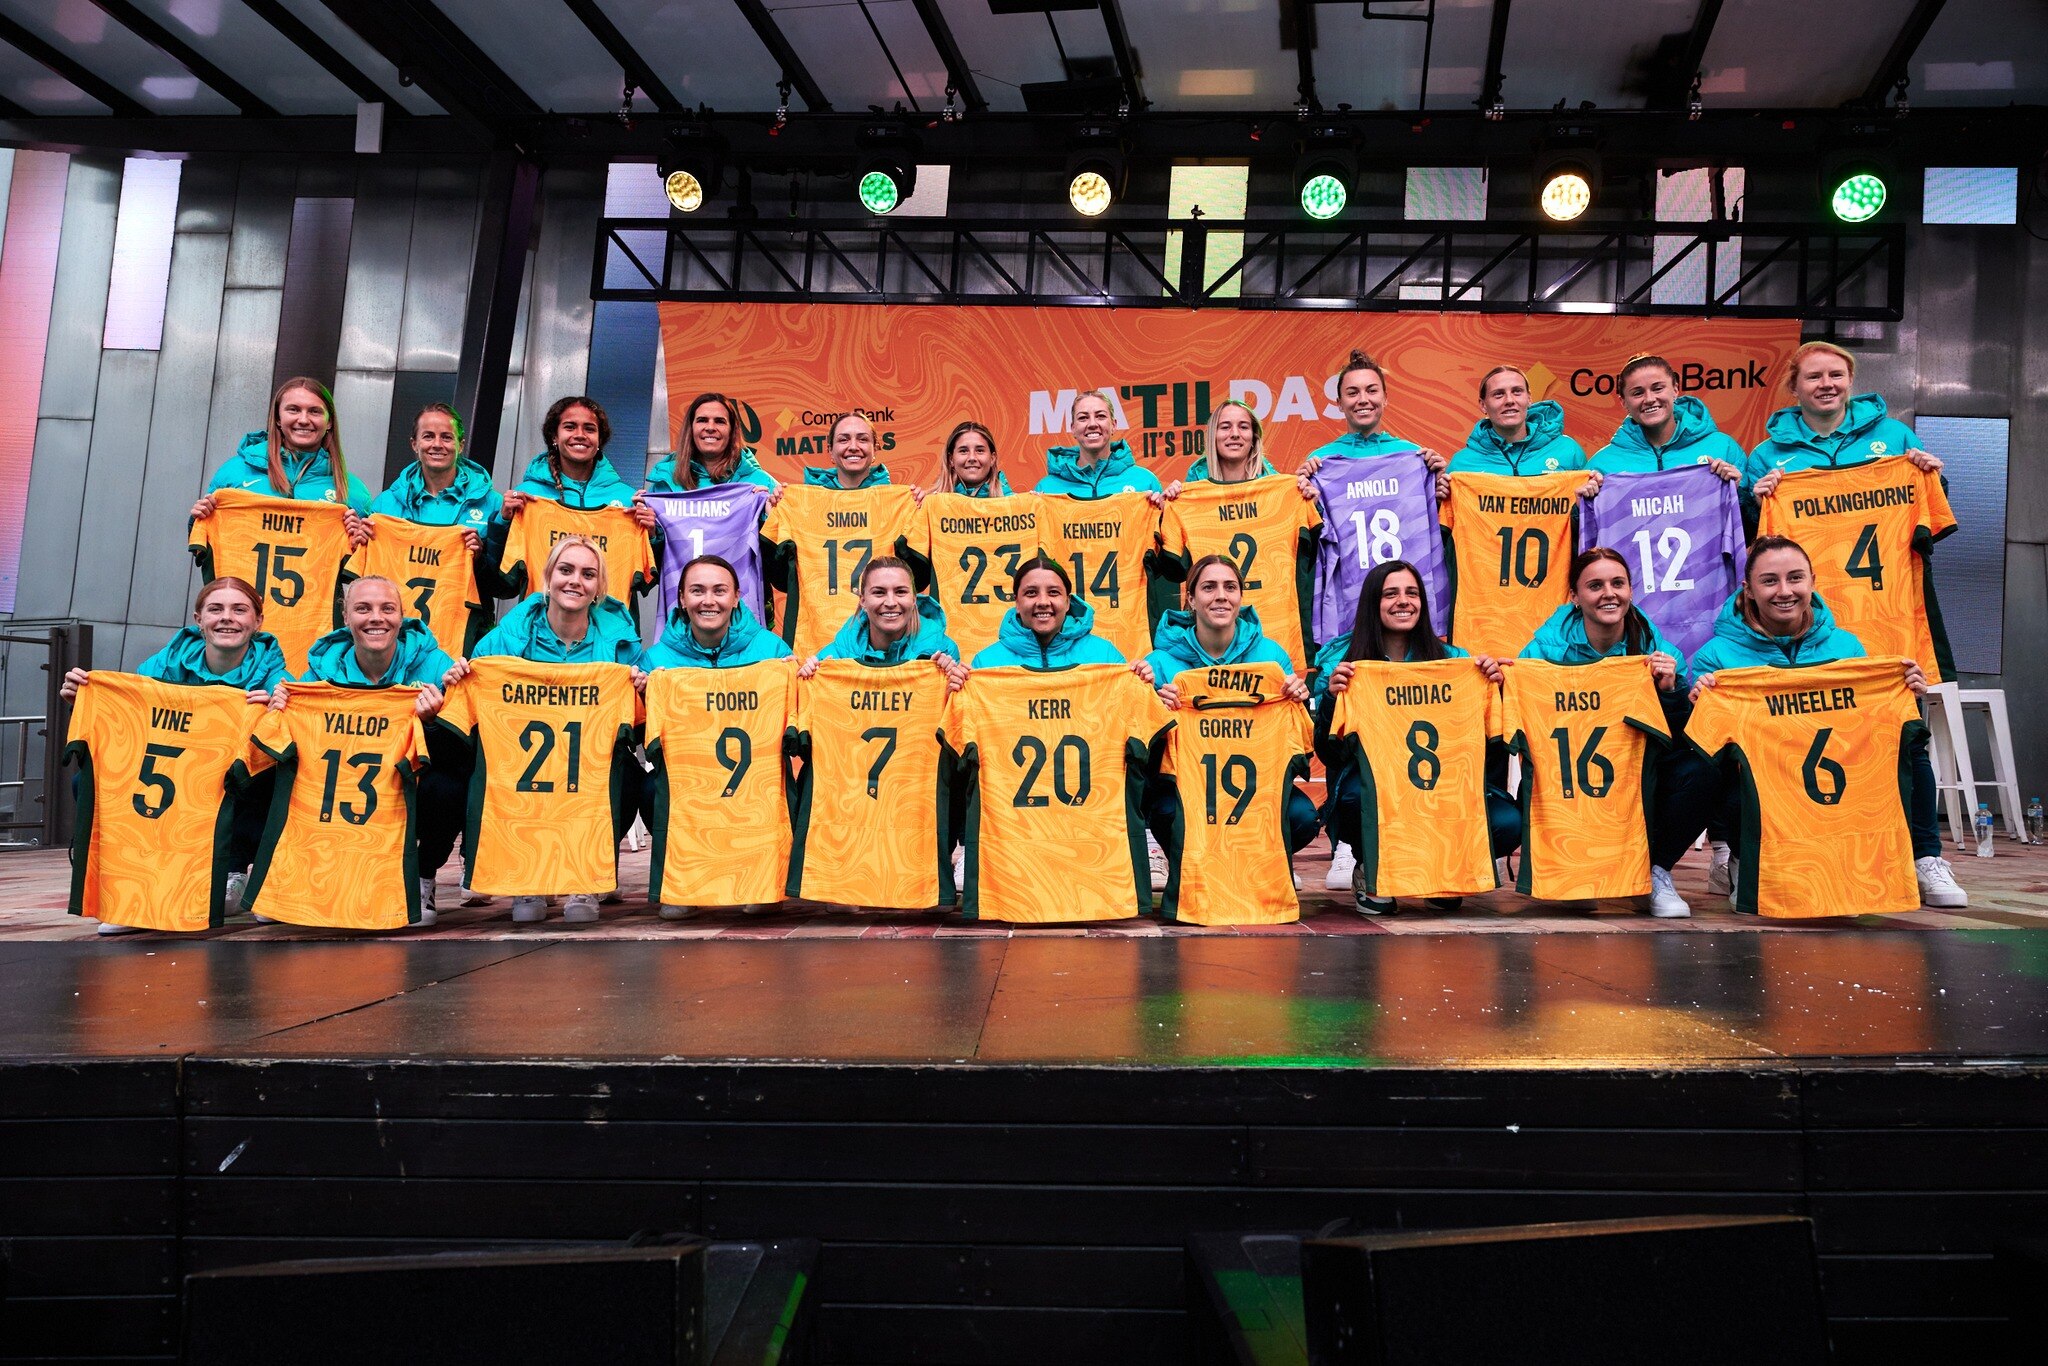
[[721, 810]]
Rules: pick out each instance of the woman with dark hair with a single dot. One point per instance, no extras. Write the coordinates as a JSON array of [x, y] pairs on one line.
[[1664, 428], [296, 455], [1049, 628], [1361, 392], [442, 486], [712, 452], [573, 470]]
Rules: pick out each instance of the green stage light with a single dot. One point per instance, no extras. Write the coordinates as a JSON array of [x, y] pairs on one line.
[[1323, 196], [879, 192], [1858, 198]]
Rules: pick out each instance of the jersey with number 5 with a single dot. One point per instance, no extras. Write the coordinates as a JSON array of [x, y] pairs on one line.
[[721, 808], [553, 755], [291, 550], [1869, 529], [1511, 550], [976, 546], [1819, 758], [1104, 544]]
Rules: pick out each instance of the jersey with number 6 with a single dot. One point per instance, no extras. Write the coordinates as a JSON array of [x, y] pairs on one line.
[[292, 551], [975, 546], [721, 806], [1236, 747], [1103, 543], [1584, 733], [553, 755], [822, 538], [1823, 784], [540, 522], [1868, 529], [1416, 733], [1511, 549], [870, 820], [435, 574], [1266, 528], [149, 846], [339, 848], [1054, 826]]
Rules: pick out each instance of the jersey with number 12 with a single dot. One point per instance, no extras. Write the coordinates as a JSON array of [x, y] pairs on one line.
[[1681, 532]]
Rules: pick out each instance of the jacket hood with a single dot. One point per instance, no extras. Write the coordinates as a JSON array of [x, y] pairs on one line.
[[472, 483], [997, 486], [1546, 424], [878, 473], [1694, 424], [605, 487], [1175, 636], [183, 660], [1787, 426], [1199, 471], [1562, 639], [1065, 461], [417, 658], [1736, 643], [1381, 442], [1021, 641], [252, 456], [746, 642], [928, 639], [614, 635]]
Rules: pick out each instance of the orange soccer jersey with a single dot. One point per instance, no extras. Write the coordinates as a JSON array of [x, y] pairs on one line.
[[1584, 733], [1265, 527], [435, 574], [1235, 749], [1054, 827], [150, 843], [1511, 540], [553, 756], [1417, 734], [975, 546], [339, 848], [822, 538], [870, 824], [291, 549], [721, 785], [628, 553], [1103, 543], [1824, 782], [1868, 529]]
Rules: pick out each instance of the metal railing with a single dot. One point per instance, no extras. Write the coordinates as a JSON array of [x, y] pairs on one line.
[[43, 807]]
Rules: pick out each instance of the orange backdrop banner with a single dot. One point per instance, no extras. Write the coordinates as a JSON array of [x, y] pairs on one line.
[[918, 371]]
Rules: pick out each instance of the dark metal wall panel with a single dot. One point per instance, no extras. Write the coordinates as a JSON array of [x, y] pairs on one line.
[[623, 340], [78, 310], [49, 537], [113, 486], [378, 249], [315, 283], [436, 281], [1969, 302], [411, 391], [558, 328], [362, 401], [263, 224], [2027, 494], [246, 345]]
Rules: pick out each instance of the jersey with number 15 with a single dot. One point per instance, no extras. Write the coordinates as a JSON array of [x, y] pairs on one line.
[[291, 550]]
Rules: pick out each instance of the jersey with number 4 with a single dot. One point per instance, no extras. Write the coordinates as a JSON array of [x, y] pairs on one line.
[[1376, 508], [721, 786], [339, 849], [1103, 543], [1416, 734], [1055, 830], [976, 546], [821, 539], [435, 574], [553, 755], [1511, 550], [540, 522], [291, 550], [1823, 781], [1236, 747], [1266, 528], [1868, 529], [1584, 733], [1681, 532], [149, 846]]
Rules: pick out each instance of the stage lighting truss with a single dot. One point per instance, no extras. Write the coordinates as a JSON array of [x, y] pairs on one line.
[[1326, 170], [1855, 187], [691, 166], [1096, 168], [886, 174], [1567, 181]]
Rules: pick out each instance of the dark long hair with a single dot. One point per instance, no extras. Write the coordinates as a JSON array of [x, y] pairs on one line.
[[552, 423], [1636, 636], [1366, 640], [686, 458]]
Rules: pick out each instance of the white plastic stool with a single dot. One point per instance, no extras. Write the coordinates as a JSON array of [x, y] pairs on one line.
[[1948, 746]]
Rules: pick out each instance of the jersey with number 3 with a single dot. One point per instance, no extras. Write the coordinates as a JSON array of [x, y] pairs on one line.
[[1104, 544], [975, 546], [1820, 758], [1584, 733], [1868, 529], [435, 574], [721, 805], [1511, 550], [291, 549], [1265, 527], [553, 755], [822, 538], [339, 848]]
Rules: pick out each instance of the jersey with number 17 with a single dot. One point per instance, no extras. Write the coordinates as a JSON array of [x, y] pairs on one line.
[[1376, 508]]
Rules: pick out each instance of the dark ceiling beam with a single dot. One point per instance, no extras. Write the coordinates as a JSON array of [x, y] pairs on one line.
[[1676, 89], [185, 55], [1496, 53], [777, 42], [301, 36], [71, 70], [1893, 68], [957, 71], [1298, 31], [10, 110], [1126, 58], [438, 57], [626, 55]]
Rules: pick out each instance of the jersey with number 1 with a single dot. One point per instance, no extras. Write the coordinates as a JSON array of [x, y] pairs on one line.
[[291, 549], [1376, 508], [1584, 733], [340, 846], [722, 520], [540, 522], [435, 574], [721, 806], [553, 755], [975, 546], [1511, 551], [1681, 532], [1104, 544], [150, 843], [822, 538], [1868, 529]]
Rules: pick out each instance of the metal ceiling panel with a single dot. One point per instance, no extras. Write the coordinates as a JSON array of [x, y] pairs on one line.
[[1983, 52], [1377, 63], [703, 50], [85, 32], [361, 55], [40, 90], [1005, 51], [1212, 54], [233, 38], [1573, 51], [545, 49], [1767, 54], [839, 45]]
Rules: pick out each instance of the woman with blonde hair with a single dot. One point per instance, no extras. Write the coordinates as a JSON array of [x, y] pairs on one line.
[[1099, 463]]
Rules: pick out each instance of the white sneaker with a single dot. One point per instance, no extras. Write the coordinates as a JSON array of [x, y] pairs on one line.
[[1367, 905], [580, 909], [1342, 861], [675, 912], [529, 910], [1157, 858], [960, 871], [428, 900], [1297, 880], [108, 928], [1503, 872], [1720, 869], [1665, 902], [1938, 883], [237, 884], [470, 898]]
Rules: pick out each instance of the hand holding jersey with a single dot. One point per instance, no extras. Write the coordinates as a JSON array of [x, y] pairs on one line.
[[292, 550], [720, 815]]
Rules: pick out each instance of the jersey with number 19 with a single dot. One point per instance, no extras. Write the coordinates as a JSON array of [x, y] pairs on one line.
[[975, 546], [1103, 543], [821, 538], [291, 550], [721, 806], [1511, 549]]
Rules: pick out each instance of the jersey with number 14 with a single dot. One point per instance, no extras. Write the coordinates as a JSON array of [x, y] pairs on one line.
[[435, 574], [1260, 525], [975, 546], [291, 549], [1376, 508], [822, 538], [1103, 543], [721, 807], [1511, 550]]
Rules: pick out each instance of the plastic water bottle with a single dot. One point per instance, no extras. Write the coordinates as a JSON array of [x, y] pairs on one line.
[[1985, 848], [2037, 823]]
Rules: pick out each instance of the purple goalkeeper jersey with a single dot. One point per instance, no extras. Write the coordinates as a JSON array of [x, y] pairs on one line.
[[722, 520], [1375, 508], [1681, 532]]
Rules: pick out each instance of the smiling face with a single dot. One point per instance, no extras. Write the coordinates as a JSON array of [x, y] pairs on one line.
[[711, 430], [577, 435], [372, 615], [1649, 394], [1214, 596], [1821, 385], [973, 459], [573, 583], [435, 442], [853, 445], [1506, 401], [302, 418], [1603, 592], [227, 619], [890, 602], [1780, 586], [1094, 424], [1236, 433], [1362, 394], [1400, 602], [709, 596], [1042, 602]]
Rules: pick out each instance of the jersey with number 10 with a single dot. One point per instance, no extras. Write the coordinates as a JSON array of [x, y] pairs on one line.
[[291, 549], [149, 847], [1511, 540], [1259, 525], [1376, 508], [1819, 753], [721, 806], [540, 522], [1868, 529], [1681, 532], [822, 538], [1584, 733], [339, 848], [975, 546], [553, 754], [1103, 543], [435, 574]]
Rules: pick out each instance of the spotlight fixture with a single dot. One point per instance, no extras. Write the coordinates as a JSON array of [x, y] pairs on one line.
[[1855, 182], [1566, 180], [1096, 168], [886, 174], [1326, 169], [692, 167]]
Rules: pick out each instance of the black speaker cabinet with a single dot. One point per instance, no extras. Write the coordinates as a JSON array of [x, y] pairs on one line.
[[625, 1306], [1676, 1291]]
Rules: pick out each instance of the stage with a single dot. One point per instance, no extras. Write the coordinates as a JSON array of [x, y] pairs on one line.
[[1004, 1141]]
